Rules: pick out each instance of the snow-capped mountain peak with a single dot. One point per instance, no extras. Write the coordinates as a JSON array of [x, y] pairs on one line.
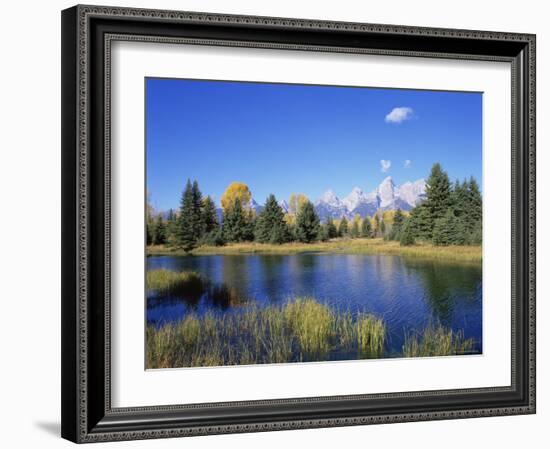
[[356, 197], [330, 198], [387, 196]]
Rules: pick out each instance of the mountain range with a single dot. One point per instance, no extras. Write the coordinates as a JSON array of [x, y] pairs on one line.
[[387, 196]]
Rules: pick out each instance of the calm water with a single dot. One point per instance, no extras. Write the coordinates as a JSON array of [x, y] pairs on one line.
[[408, 294]]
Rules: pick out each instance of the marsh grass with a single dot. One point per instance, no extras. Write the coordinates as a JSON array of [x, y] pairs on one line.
[[436, 340], [462, 253], [172, 283], [300, 330]]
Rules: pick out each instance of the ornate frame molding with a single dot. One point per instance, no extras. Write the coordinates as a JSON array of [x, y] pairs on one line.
[[86, 420]]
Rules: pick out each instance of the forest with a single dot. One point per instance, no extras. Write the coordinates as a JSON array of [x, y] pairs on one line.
[[451, 214]]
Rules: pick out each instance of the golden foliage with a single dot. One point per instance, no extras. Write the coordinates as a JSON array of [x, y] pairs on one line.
[[236, 191], [295, 202]]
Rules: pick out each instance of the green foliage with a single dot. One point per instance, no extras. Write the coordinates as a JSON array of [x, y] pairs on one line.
[[376, 230], [382, 228], [397, 227], [323, 233], [407, 234], [421, 222], [159, 231], [188, 229], [238, 224], [307, 223], [438, 192], [209, 216], [448, 230], [354, 232], [343, 227], [270, 225], [332, 232], [366, 228]]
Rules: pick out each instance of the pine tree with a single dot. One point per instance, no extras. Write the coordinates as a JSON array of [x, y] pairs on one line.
[[438, 198], [343, 227], [235, 226], [474, 205], [171, 226], [307, 223], [198, 226], [186, 237], [159, 233], [382, 228], [209, 216], [407, 234], [270, 224], [323, 233], [421, 223], [397, 227], [366, 228], [448, 230], [332, 232]]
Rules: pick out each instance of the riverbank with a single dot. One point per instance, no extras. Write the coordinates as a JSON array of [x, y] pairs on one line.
[[465, 253], [298, 331]]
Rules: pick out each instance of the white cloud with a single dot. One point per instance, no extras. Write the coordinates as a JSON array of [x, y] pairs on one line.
[[398, 115], [407, 163], [385, 165]]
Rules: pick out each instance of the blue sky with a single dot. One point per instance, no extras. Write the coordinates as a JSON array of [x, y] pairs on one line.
[[281, 138]]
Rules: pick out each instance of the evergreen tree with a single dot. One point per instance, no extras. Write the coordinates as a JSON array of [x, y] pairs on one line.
[[307, 223], [421, 223], [438, 198], [235, 223], [332, 232], [159, 234], [459, 198], [323, 233], [198, 225], [343, 227], [186, 236], [397, 227], [209, 216], [149, 225], [171, 226], [270, 224], [366, 227], [474, 205], [407, 234], [448, 230], [382, 228]]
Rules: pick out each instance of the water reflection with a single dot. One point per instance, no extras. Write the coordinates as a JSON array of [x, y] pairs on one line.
[[407, 293]]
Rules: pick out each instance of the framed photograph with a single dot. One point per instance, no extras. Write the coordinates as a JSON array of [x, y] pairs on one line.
[[276, 224]]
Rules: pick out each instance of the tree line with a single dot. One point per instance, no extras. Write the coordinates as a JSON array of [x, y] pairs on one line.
[[450, 215]]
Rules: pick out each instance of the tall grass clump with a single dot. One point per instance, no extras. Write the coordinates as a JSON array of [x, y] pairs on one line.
[[436, 340], [312, 324], [297, 331], [166, 282], [371, 336]]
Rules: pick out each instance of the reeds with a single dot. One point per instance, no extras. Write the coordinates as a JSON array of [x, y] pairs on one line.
[[172, 283], [436, 340], [300, 330]]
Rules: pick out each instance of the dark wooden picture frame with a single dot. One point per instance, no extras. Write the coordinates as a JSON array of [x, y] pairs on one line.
[[87, 414]]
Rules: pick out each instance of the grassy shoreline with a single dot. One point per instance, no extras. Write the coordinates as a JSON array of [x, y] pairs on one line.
[[472, 254], [298, 331]]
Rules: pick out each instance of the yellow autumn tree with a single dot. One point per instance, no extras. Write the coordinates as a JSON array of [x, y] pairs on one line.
[[295, 203], [236, 191]]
